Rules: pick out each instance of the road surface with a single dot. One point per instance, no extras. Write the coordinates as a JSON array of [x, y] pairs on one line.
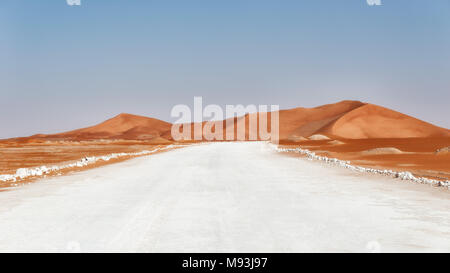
[[223, 197]]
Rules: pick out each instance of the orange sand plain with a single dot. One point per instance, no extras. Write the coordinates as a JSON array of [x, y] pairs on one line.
[[28, 155], [417, 155]]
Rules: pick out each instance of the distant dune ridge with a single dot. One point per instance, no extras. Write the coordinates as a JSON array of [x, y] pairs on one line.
[[345, 119], [354, 120], [123, 126]]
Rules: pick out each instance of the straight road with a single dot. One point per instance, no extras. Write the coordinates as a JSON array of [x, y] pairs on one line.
[[223, 197]]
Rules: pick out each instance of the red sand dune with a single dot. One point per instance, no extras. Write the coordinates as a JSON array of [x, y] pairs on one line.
[[354, 120], [309, 121], [123, 126], [345, 119]]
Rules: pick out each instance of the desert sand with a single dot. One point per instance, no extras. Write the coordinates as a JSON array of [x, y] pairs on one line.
[[416, 155], [382, 151], [59, 153], [443, 151], [367, 134]]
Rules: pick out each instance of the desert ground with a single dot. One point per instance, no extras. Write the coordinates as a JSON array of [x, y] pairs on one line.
[[423, 157], [224, 197], [18, 155], [366, 134]]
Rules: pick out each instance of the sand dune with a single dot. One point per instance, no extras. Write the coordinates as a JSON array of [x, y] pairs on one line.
[[354, 120], [347, 120], [318, 137], [342, 120], [382, 151], [123, 126], [308, 121], [297, 138], [372, 121], [335, 142]]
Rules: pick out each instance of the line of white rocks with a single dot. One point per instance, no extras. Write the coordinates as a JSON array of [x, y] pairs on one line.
[[346, 164], [44, 170]]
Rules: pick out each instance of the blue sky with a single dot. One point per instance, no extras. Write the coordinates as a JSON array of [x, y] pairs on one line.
[[65, 67]]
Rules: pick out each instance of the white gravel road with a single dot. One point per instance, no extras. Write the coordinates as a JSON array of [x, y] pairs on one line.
[[224, 197]]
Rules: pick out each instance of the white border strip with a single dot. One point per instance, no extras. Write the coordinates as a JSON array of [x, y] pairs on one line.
[[346, 164], [44, 170]]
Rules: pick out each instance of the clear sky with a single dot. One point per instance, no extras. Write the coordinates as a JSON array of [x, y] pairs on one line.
[[64, 67]]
